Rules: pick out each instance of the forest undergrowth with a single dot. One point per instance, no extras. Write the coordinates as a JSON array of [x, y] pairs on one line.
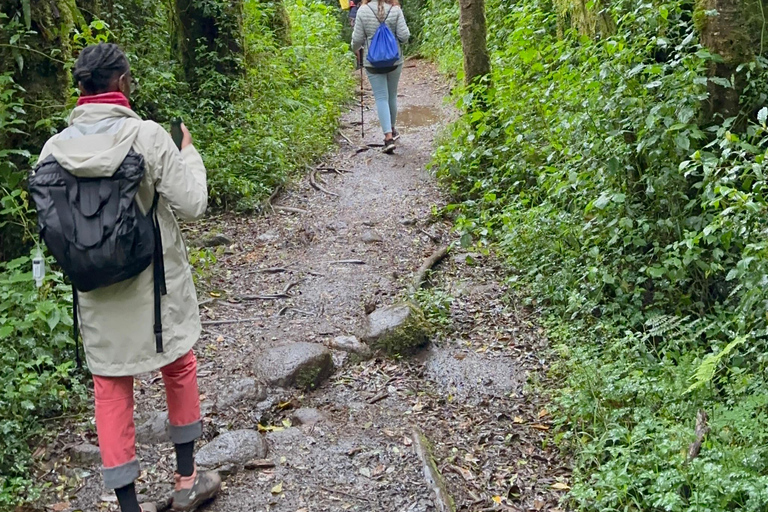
[[273, 115], [637, 225]]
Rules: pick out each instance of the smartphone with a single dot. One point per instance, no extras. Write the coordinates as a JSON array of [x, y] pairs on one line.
[[176, 134]]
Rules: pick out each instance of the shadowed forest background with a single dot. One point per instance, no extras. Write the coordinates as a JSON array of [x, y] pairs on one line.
[[612, 152]]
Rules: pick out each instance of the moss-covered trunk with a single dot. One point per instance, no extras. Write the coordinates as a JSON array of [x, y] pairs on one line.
[[734, 30], [477, 62], [210, 37]]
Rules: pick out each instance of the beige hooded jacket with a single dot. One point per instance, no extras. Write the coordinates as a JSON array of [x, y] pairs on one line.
[[117, 321]]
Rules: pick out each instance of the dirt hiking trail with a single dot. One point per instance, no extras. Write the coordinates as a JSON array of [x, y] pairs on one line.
[[286, 286]]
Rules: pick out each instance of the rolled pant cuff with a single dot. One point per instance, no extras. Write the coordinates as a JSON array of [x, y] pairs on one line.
[[185, 433], [120, 476]]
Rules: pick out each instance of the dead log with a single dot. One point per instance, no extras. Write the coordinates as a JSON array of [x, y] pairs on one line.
[[434, 480]]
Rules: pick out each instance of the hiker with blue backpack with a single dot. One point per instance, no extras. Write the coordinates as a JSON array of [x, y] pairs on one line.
[[380, 28], [108, 191]]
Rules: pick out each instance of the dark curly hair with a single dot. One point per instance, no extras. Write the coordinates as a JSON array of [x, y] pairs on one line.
[[97, 65]]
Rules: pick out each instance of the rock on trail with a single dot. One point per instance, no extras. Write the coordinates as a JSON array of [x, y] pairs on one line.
[[301, 365], [397, 330], [237, 447]]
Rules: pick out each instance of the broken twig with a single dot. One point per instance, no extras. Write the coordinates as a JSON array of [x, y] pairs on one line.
[[702, 429], [346, 262]]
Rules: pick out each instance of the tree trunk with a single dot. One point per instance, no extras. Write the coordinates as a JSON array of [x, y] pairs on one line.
[[735, 33], [210, 37], [279, 21], [474, 43]]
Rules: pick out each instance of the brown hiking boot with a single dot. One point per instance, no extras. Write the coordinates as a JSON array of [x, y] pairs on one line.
[[192, 491]]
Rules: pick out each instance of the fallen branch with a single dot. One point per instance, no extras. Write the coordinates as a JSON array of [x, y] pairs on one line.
[[285, 309], [702, 429], [288, 209], [259, 464], [378, 398], [205, 302], [289, 286], [342, 493], [272, 296], [272, 270], [421, 274], [227, 322], [274, 195], [313, 182], [346, 262], [276, 208], [343, 136], [332, 170], [443, 501]]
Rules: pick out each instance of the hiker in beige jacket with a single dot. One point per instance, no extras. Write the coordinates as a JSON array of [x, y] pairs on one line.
[[116, 322]]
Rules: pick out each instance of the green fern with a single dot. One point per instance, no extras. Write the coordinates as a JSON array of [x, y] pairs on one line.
[[706, 371]]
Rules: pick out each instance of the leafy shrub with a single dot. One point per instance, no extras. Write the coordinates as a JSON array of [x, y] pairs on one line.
[[37, 368], [642, 232]]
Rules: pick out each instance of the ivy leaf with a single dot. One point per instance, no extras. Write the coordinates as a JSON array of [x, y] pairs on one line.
[[762, 116], [602, 201], [6, 331]]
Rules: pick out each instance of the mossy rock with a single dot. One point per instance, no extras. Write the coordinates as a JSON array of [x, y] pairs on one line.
[[301, 365], [397, 330]]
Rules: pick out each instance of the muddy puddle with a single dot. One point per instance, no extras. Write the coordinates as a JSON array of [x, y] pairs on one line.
[[413, 117]]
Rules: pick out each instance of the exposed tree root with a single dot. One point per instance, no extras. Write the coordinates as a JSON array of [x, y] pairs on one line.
[[421, 274], [443, 500], [316, 186]]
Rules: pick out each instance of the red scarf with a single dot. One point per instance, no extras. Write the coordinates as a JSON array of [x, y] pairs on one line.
[[109, 98]]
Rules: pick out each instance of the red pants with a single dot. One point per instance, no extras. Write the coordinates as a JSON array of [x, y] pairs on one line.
[[114, 417]]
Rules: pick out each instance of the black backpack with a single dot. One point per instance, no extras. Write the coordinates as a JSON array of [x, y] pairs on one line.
[[96, 231]]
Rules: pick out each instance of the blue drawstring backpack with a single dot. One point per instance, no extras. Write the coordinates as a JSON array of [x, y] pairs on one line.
[[384, 50]]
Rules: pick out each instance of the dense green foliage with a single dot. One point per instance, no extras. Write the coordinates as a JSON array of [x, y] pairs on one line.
[[275, 114], [639, 228]]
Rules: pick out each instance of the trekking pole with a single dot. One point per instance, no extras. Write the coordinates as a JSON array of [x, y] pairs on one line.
[[362, 106]]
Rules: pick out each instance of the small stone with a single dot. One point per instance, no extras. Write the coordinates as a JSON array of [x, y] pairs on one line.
[[338, 225], [154, 430], [468, 258], [215, 241], [351, 344], [307, 416], [371, 237], [240, 390], [86, 454], [408, 221], [227, 470], [236, 447], [206, 406], [397, 329], [269, 236], [301, 365]]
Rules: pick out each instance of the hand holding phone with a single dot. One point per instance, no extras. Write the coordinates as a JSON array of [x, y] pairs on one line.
[[176, 132]]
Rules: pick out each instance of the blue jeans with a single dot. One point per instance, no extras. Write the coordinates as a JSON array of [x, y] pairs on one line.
[[385, 91]]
